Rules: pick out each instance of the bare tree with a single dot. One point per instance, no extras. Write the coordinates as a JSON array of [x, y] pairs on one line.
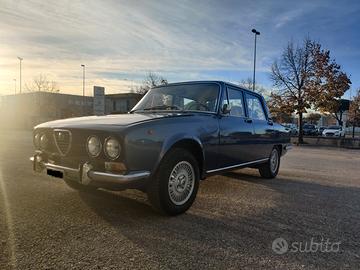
[[329, 85], [248, 84], [291, 75], [313, 118], [306, 77], [354, 112], [278, 111], [151, 80], [41, 83]]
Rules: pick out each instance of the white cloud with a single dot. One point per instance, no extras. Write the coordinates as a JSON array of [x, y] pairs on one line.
[[56, 37], [180, 39], [287, 17]]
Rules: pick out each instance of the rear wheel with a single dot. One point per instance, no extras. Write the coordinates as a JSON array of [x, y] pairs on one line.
[[270, 169], [174, 187]]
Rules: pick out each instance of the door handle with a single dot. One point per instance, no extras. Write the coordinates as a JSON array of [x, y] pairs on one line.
[[248, 120]]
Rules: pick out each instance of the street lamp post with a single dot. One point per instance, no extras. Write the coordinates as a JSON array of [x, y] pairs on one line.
[[15, 86], [20, 59], [83, 66], [256, 33]]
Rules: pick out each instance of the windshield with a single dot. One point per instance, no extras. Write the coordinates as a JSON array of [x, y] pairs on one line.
[[186, 97], [334, 127]]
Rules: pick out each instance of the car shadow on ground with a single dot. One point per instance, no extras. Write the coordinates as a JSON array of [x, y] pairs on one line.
[[217, 238]]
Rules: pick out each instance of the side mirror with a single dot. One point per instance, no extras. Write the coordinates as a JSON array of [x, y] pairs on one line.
[[226, 109]]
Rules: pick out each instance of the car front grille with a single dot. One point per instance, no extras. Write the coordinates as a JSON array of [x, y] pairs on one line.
[[62, 140]]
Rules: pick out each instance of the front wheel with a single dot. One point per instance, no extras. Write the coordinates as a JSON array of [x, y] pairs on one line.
[[270, 169], [174, 187]]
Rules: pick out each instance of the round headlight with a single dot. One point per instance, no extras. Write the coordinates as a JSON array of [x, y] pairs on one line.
[[93, 146], [37, 141], [43, 141], [112, 148]]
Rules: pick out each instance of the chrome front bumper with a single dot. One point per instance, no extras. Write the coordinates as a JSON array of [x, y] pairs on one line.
[[85, 174]]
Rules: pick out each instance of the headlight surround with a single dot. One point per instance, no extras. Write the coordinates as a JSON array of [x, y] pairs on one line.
[[93, 146], [112, 148], [37, 141], [44, 141]]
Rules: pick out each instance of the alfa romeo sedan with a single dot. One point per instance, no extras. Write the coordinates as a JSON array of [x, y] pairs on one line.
[[177, 135]]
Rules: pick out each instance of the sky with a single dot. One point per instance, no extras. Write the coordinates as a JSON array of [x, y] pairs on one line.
[[119, 42]]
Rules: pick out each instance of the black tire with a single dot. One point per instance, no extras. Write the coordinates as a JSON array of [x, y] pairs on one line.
[[79, 187], [159, 187], [268, 169]]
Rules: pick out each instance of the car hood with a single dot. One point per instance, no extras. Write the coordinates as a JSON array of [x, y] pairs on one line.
[[107, 120]]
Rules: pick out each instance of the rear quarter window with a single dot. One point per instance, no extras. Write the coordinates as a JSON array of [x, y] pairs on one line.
[[255, 108]]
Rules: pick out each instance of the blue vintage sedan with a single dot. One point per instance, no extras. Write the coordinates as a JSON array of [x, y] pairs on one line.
[[175, 136]]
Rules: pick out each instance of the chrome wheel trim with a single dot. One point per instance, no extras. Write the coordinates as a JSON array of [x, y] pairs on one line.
[[181, 183], [274, 160]]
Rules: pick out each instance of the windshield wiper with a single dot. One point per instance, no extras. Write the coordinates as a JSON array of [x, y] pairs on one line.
[[163, 107]]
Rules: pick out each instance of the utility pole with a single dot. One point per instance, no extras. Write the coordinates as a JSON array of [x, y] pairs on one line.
[[257, 33], [83, 66], [20, 59]]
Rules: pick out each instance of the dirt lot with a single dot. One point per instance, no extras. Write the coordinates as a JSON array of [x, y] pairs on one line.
[[232, 225]]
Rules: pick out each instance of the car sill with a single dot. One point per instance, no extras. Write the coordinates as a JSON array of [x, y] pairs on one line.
[[238, 165]]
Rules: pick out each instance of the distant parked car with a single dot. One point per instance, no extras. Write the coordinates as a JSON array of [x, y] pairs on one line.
[[292, 127], [320, 130], [309, 129], [334, 131]]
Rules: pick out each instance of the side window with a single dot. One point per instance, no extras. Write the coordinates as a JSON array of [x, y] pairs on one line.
[[235, 102], [255, 109]]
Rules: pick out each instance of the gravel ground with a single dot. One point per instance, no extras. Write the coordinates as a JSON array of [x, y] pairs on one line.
[[232, 225]]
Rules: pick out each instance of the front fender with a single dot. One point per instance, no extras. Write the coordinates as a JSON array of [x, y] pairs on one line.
[[178, 139]]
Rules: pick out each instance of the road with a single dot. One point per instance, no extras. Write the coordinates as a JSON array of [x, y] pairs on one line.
[[232, 225]]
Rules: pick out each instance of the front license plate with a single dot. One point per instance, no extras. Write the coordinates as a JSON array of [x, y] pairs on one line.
[[54, 173]]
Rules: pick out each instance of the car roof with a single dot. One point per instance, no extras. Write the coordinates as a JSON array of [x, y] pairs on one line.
[[223, 83]]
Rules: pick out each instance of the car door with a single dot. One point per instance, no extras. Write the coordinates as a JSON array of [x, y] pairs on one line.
[[263, 127], [236, 131]]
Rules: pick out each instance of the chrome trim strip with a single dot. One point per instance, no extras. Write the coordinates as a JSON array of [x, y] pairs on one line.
[[117, 178], [238, 165], [97, 176], [61, 168]]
